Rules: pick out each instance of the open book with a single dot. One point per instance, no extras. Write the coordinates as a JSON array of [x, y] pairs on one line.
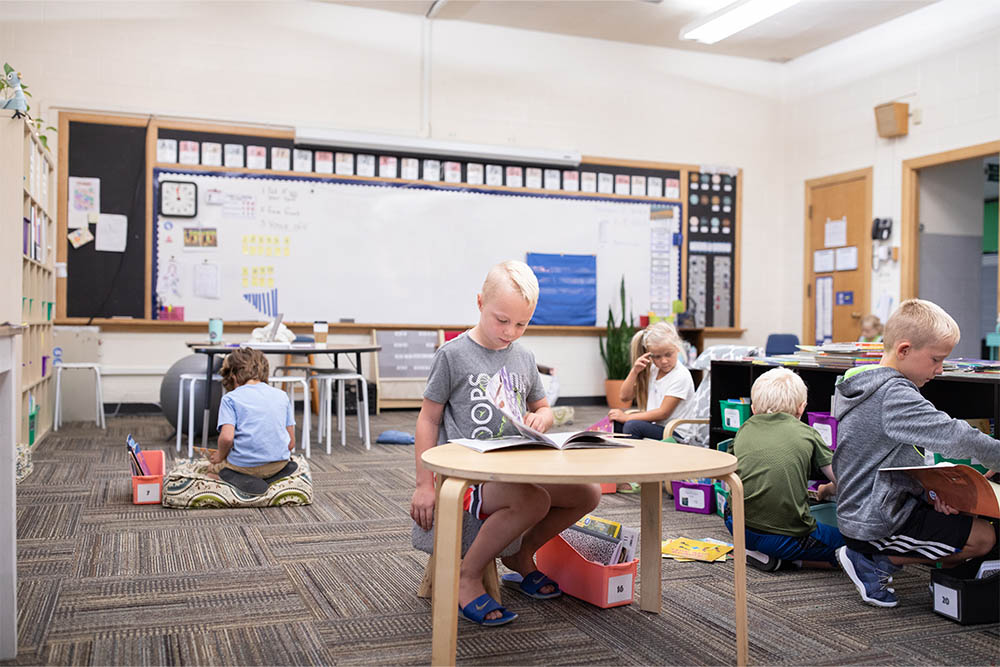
[[960, 486], [500, 392]]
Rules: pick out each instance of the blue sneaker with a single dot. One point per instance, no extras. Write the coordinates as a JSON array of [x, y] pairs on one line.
[[871, 576]]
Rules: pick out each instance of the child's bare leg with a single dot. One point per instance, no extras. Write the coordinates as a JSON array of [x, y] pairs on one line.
[[512, 509], [568, 502]]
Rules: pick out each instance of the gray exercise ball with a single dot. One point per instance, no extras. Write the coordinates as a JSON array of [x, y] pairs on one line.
[[194, 363]]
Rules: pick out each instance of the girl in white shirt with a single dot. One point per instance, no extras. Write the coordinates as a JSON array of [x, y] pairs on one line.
[[659, 383]]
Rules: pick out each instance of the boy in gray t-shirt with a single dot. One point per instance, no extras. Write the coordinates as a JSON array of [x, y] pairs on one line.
[[455, 406]]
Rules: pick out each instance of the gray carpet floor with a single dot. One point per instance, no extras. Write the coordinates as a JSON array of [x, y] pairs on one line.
[[105, 582]]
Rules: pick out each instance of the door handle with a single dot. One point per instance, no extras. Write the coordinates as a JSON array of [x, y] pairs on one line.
[[856, 316]]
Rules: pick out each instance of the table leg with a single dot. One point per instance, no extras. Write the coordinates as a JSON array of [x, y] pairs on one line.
[[651, 590], [207, 403], [740, 565], [447, 560]]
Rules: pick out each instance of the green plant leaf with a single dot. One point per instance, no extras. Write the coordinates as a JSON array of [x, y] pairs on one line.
[[45, 140], [614, 346], [7, 69]]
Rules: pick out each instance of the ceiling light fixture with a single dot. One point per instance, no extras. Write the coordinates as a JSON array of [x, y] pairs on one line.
[[732, 19]]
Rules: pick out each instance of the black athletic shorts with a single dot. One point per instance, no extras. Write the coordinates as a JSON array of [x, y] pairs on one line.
[[927, 533]]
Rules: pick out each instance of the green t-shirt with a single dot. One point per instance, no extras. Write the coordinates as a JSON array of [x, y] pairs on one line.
[[776, 453]]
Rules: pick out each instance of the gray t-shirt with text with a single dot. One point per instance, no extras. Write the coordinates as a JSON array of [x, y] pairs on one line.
[[459, 373]]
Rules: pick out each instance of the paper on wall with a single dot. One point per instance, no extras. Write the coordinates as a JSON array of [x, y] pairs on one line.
[[835, 233], [80, 236], [112, 233], [823, 261], [846, 258], [84, 198], [206, 280]]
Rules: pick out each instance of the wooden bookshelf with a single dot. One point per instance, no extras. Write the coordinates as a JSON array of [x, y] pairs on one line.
[[28, 273]]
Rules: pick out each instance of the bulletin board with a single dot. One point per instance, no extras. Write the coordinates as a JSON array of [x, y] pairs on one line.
[[712, 247]]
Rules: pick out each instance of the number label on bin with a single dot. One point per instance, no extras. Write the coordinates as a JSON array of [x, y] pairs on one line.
[[946, 601], [732, 418], [619, 588], [148, 493]]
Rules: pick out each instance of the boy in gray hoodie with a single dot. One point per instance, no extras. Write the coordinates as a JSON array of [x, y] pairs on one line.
[[887, 519]]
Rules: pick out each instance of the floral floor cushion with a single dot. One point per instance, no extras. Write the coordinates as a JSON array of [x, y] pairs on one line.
[[190, 486]]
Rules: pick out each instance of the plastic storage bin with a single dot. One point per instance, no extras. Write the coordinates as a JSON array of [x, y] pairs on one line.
[[826, 425], [601, 585], [958, 595], [609, 488], [148, 489], [32, 424], [695, 497], [969, 462], [734, 414], [722, 497], [825, 513]]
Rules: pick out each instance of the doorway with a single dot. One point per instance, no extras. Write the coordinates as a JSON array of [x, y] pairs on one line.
[[949, 238], [837, 266]]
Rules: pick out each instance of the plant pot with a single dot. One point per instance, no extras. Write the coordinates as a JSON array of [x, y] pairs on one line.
[[612, 390]]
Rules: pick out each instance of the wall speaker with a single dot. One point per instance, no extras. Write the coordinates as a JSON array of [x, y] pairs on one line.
[[892, 119]]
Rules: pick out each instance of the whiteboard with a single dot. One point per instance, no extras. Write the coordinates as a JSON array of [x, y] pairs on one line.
[[323, 249]]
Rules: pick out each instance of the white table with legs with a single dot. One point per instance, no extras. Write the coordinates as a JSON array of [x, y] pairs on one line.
[[649, 462]]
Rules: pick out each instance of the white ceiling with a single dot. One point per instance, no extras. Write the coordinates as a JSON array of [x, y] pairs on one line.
[[800, 29]]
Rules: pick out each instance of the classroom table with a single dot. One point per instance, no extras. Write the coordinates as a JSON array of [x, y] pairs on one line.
[[649, 462], [210, 350]]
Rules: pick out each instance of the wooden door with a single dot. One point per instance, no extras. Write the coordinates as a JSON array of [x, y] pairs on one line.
[[837, 256]]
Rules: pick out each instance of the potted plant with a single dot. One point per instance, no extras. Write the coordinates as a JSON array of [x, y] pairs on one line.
[[615, 353]]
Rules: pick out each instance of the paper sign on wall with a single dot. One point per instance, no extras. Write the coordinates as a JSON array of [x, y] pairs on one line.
[[112, 233], [84, 199], [823, 261], [846, 259]]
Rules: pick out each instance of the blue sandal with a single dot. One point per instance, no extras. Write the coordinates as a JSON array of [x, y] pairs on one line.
[[531, 584], [477, 610]]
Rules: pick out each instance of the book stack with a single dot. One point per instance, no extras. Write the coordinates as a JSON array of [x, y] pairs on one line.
[[136, 458], [602, 541], [841, 355], [685, 549], [972, 365]]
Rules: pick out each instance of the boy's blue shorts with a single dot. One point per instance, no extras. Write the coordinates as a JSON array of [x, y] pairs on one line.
[[819, 545]]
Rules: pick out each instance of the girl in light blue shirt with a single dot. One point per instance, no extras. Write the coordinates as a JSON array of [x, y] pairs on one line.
[[256, 425]]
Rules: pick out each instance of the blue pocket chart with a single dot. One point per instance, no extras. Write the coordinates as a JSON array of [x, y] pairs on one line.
[[567, 288]]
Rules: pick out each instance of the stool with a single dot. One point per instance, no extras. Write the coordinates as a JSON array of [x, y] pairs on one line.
[[326, 378], [291, 381], [99, 395], [191, 378]]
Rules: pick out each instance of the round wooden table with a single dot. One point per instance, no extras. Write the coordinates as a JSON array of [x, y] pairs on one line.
[[648, 462]]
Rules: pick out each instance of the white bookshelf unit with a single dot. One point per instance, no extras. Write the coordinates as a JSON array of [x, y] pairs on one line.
[[28, 212]]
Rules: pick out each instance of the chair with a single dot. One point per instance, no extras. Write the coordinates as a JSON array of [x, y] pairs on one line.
[[326, 378], [99, 395], [781, 344], [423, 540], [190, 378], [292, 365], [290, 382]]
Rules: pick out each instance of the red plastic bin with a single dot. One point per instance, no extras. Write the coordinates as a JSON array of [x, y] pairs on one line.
[[601, 585], [148, 489]]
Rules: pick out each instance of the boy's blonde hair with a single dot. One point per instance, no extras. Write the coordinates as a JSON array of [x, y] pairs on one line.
[[659, 334], [921, 323], [874, 322], [512, 273], [242, 365], [778, 390]]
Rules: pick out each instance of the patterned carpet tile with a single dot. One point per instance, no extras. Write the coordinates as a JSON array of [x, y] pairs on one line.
[[350, 538], [293, 643], [36, 603], [40, 558], [337, 588], [214, 599], [53, 521], [136, 553]]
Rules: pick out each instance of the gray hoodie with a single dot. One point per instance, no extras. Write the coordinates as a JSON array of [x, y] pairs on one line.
[[881, 416]]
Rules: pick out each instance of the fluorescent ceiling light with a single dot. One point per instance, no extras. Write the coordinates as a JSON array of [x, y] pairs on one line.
[[402, 144], [732, 19]]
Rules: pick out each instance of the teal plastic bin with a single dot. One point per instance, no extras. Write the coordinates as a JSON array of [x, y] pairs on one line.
[[825, 513]]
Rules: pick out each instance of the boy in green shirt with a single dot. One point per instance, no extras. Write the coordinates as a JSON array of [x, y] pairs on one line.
[[776, 453]]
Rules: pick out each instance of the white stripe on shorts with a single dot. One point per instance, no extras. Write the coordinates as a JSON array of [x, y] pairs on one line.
[[905, 544]]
